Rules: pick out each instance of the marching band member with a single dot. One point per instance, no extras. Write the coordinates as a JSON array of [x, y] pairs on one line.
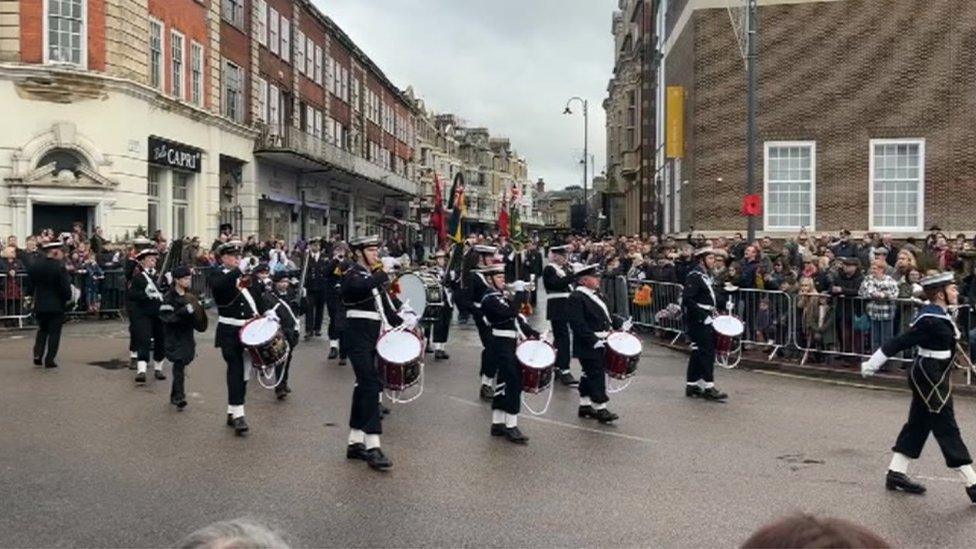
[[235, 306], [51, 286], [449, 283], [145, 298], [316, 284], [478, 286], [935, 334], [367, 303], [334, 269], [558, 281], [177, 315], [698, 301], [501, 315], [591, 322], [130, 267], [288, 306]]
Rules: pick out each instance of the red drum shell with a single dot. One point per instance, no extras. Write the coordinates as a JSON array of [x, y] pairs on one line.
[[401, 372], [268, 353], [617, 364], [536, 378]]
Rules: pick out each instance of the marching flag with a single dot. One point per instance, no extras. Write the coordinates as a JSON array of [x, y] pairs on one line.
[[458, 208], [503, 225], [437, 219], [515, 224]]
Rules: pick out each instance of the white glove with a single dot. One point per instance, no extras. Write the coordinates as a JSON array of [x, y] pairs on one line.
[[388, 263], [519, 285], [189, 308], [245, 266], [409, 319], [546, 336], [599, 344], [304, 292], [169, 278], [873, 364], [627, 325], [708, 321], [270, 313]]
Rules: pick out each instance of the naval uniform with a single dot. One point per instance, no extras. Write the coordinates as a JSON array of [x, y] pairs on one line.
[[288, 306], [698, 301], [442, 324], [558, 283], [502, 317], [316, 283], [52, 291], [477, 288], [235, 306], [178, 320], [591, 321], [334, 269], [146, 327]]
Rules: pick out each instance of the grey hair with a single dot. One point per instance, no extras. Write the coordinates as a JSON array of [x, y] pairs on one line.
[[233, 534]]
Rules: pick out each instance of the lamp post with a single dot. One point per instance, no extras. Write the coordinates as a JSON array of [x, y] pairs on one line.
[[586, 151]]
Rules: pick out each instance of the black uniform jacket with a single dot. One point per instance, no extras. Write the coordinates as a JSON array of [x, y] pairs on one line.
[[358, 285], [232, 303], [51, 284], [178, 328], [144, 297], [289, 307], [588, 314], [698, 298], [478, 287], [318, 272], [557, 280], [502, 313]]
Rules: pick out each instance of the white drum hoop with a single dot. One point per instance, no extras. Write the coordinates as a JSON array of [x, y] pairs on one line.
[[728, 325], [412, 291], [395, 396], [552, 382]]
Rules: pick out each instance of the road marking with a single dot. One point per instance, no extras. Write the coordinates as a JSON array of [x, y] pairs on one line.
[[840, 382], [943, 479], [562, 424]]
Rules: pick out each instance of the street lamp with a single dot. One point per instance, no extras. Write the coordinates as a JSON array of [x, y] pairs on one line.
[[586, 151]]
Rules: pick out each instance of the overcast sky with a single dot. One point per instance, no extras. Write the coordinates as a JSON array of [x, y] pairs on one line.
[[508, 65]]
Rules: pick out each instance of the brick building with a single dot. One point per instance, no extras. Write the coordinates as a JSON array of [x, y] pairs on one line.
[[182, 114], [867, 115]]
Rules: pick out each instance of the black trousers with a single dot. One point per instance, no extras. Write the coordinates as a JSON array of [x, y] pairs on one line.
[[560, 333], [593, 382], [229, 341], [48, 336], [148, 331], [336, 315], [464, 306], [133, 347], [508, 389], [442, 327], [179, 376], [286, 367], [488, 366], [701, 364], [316, 312], [943, 425], [361, 337]]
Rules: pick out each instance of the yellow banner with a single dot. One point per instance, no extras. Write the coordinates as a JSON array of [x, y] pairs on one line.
[[675, 120]]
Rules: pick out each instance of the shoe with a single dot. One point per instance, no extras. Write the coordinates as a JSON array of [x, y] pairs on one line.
[[605, 416], [512, 434], [159, 375], [900, 481], [971, 492], [567, 379], [240, 426], [694, 391], [132, 363], [487, 392], [51, 365], [714, 394], [441, 355], [230, 420], [37, 361], [376, 460], [179, 402], [318, 333], [333, 353], [356, 451], [384, 410], [342, 362], [586, 411], [497, 429], [141, 377], [281, 392], [428, 349]]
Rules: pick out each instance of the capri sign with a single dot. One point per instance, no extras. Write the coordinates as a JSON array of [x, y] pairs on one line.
[[171, 154]]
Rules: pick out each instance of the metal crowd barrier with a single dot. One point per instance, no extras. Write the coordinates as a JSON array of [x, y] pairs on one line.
[[14, 301]]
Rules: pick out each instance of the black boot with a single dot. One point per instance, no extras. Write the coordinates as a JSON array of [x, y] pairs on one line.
[[51, 364], [605, 416], [586, 411], [567, 379], [376, 460], [342, 361], [356, 450], [714, 394], [281, 392], [428, 349], [38, 361], [441, 355], [900, 481], [159, 375], [971, 492], [333, 353], [694, 391], [384, 410], [487, 392], [141, 377], [132, 363], [240, 426], [497, 429], [512, 434], [178, 401], [230, 420]]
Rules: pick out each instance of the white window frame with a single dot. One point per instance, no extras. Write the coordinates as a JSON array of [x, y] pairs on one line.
[[286, 39], [274, 109], [180, 204], [920, 214], [227, 67], [309, 57], [177, 64], [261, 25], [83, 39], [160, 79], [318, 64], [196, 73], [812, 145], [273, 36], [262, 89], [300, 51]]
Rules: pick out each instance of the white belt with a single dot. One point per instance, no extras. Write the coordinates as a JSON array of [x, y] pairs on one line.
[[477, 305], [938, 355], [558, 296], [602, 335], [368, 315], [231, 321], [510, 334], [706, 307]]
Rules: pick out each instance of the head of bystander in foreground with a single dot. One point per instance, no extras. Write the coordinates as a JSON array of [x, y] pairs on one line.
[[804, 530]]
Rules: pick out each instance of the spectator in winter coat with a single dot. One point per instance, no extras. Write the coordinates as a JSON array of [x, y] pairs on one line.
[[880, 290]]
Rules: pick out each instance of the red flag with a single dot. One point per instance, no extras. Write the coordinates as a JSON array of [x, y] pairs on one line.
[[437, 221], [503, 228]]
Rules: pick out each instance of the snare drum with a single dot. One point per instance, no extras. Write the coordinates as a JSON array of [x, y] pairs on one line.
[[728, 331], [423, 292], [265, 342], [398, 357], [623, 351], [536, 362]]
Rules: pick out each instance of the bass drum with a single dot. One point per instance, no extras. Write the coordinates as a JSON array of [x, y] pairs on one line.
[[421, 291], [398, 357]]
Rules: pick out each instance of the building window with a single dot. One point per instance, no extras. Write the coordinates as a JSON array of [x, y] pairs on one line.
[[233, 79], [274, 110], [180, 191], [318, 65], [790, 185], [176, 80], [262, 86], [196, 74], [233, 12], [153, 195], [273, 30], [300, 51], [897, 184], [155, 54], [631, 119], [285, 39], [309, 57], [66, 36], [261, 23]]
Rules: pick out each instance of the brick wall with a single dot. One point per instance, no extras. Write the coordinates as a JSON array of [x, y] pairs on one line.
[[840, 74]]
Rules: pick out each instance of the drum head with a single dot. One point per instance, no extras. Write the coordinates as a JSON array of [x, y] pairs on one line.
[[413, 291], [259, 331], [399, 347], [728, 325], [625, 344], [536, 354]]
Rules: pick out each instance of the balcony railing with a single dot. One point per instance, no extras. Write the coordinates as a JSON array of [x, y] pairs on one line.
[[293, 139]]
